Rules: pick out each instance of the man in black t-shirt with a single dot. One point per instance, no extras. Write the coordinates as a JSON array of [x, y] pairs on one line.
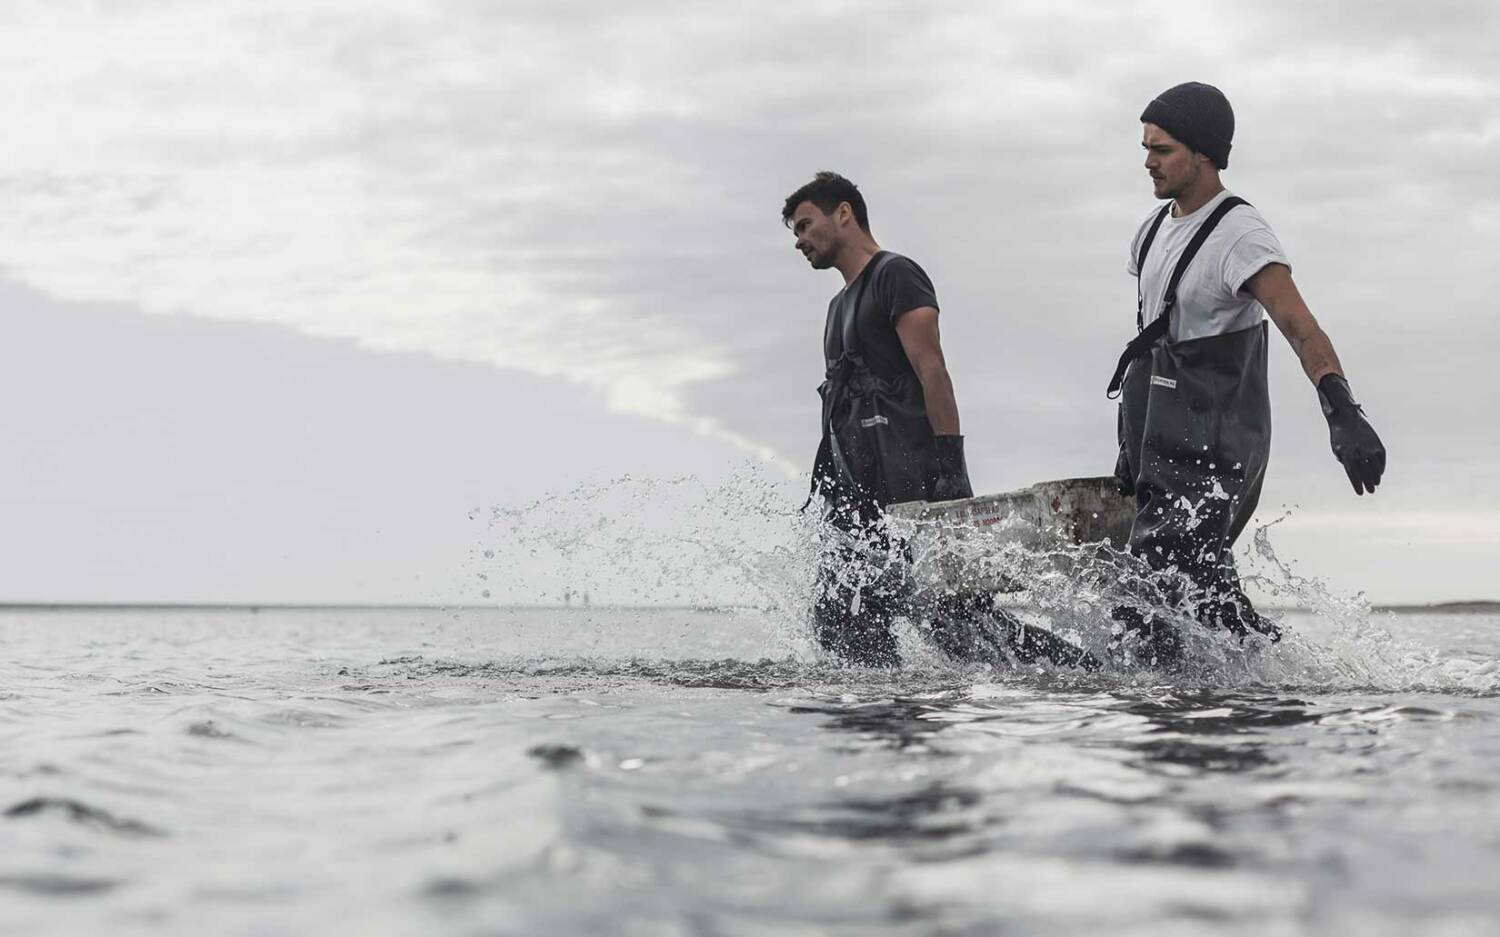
[[890, 422]]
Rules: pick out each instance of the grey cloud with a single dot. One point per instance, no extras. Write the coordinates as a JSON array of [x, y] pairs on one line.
[[1021, 215], [627, 163]]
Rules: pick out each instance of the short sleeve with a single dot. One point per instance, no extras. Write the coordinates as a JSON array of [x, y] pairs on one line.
[[1252, 251], [904, 286]]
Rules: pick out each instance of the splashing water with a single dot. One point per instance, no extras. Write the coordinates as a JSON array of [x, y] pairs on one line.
[[658, 542], [745, 544]]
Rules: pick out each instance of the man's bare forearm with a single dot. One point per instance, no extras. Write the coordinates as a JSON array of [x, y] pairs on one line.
[[942, 407], [1315, 351], [918, 331], [1274, 289]]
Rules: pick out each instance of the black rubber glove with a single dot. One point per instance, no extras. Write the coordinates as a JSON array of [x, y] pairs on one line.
[[1122, 474], [953, 475], [1352, 437]]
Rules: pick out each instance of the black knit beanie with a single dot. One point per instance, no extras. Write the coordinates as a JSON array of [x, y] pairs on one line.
[[1197, 115]]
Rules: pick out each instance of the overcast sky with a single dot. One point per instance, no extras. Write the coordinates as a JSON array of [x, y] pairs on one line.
[[290, 288]]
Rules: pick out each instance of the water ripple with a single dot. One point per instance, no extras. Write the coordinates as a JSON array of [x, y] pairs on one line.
[[79, 812]]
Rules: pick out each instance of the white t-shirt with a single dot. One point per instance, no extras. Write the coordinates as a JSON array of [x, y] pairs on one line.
[[1209, 297]]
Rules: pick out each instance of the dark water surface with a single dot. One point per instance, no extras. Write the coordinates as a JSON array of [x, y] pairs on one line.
[[676, 772]]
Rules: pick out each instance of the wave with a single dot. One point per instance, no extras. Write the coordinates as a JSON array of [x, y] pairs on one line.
[[78, 812]]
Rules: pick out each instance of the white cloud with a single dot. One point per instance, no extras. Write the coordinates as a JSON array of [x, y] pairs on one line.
[[200, 160]]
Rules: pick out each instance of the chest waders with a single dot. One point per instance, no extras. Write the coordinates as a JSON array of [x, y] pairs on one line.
[[1195, 426], [877, 447]]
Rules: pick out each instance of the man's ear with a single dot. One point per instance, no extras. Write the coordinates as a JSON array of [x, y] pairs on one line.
[[843, 214]]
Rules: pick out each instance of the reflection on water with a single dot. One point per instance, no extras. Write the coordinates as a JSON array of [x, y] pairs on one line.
[[901, 723], [1206, 712], [1149, 757], [1205, 757], [1213, 732]]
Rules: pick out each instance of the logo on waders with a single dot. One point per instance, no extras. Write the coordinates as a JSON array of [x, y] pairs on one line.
[[1166, 382], [875, 421]]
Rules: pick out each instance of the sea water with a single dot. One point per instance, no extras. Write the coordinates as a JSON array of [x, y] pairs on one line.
[[680, 770]]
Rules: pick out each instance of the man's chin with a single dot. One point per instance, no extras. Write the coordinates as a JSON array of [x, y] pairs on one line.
[[819, 262]]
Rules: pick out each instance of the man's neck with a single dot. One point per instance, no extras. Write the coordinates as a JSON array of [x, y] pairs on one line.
[[852, 259], [1189, 202]]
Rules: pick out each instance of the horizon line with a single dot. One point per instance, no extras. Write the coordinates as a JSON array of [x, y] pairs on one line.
[[1454, 605]]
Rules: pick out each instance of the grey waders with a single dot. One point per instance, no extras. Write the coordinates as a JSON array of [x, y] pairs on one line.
[[1195, 433]]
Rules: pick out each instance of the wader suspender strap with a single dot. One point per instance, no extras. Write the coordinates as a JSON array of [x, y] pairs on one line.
[[1140, 262], [865, 281], [857, 358], [1140, 346]]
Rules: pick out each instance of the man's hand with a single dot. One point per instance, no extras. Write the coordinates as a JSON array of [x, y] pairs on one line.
[[1351, 436], [1354, 442], [953, 475]]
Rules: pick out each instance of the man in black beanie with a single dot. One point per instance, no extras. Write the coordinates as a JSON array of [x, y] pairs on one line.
[[1195, 413]]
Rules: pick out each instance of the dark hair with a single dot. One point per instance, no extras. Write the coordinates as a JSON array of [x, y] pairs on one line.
[[827, 191]]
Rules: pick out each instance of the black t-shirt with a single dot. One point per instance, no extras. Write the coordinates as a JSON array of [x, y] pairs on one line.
[[898, 286]]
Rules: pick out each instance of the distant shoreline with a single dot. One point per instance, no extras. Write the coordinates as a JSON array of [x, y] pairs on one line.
[[342, 606], [1443, 608]]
